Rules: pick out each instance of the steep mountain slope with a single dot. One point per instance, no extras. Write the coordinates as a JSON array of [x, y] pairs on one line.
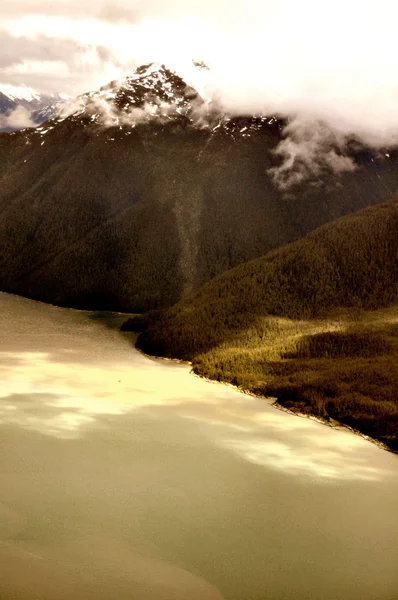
[[352, 262], [314, 323], [145, 191]]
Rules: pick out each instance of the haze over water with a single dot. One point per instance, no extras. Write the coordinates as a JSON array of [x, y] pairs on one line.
[[125, 477]]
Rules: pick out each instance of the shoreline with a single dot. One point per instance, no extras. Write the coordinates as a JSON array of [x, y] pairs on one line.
[[72, 308], [273, 401], [337, 425]]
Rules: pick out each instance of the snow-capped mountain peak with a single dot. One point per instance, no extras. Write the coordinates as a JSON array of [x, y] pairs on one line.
[[150, 85], [19, 93], [151, 92]]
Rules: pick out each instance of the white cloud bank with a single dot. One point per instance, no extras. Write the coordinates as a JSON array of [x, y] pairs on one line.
[[329, 63], [19, 118]]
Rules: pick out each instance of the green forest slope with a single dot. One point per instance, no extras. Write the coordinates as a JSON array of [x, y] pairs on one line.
[[314, 323]]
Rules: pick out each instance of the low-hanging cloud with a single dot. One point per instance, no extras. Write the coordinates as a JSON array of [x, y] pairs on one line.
[[19, 118], [330, 67], [308, 149]]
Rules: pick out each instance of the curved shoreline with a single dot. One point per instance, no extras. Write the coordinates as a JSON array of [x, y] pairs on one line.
[[274, 402]]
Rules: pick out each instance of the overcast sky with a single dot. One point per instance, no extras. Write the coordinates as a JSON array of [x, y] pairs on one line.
[[334, 60]]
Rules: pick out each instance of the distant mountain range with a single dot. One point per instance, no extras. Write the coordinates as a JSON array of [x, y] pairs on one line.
[[23, 107], [135, 195]]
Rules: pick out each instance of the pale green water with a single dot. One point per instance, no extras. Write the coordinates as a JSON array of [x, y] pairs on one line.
[[123, 477]]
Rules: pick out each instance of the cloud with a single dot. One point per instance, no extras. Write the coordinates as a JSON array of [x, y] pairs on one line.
[[330, 63], [309, 148], [55, 68], [19, 118], [337, 59]]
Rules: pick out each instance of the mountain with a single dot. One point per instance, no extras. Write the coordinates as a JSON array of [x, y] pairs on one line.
[[351, 262], [314, 324], [23, 107], [138, 193]]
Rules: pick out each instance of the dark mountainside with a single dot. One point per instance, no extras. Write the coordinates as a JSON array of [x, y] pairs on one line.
[[314, 323], [145, 192], [352, 262]]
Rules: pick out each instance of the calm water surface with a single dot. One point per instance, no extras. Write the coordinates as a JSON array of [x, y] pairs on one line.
[[123, 477]]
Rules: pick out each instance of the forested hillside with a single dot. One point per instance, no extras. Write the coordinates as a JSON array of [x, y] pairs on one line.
[[135, 215], [314, 323]]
